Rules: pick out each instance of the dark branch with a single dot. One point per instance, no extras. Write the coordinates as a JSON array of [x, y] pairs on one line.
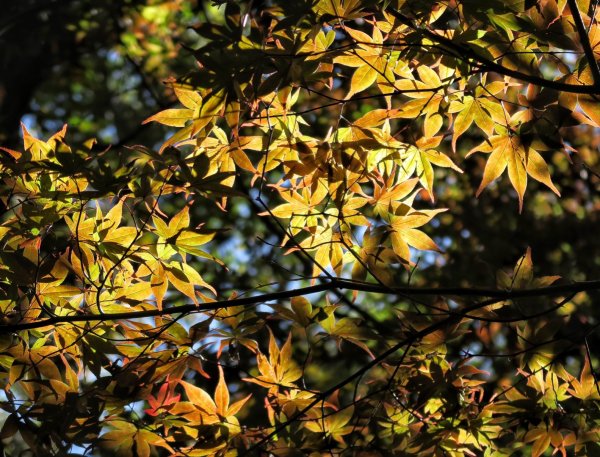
[[585, 42], [335, 283], [469, 55]]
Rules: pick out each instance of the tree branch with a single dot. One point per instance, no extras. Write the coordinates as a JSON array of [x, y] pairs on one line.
[[331, 285], [469, 54], [585, 42]]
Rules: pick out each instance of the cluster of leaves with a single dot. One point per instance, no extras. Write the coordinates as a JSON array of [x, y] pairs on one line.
[[348, 119]]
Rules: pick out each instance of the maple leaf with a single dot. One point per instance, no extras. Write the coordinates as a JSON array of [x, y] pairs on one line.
[[349, 9], [403, 232], [418, 159], [172, 117], [301, 207], [586, 387], [479, 109], [279, 369], [508, 151], [541, 437], [41, 150], [387, 198], [125, 439], [373, 257], [334, 424], [329, 251], [346, 329], [426, 94], [163, 399], [203, 410], [522, 277], [374, 62]]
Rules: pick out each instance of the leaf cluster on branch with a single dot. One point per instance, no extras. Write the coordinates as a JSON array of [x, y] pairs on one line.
[[350, 129]]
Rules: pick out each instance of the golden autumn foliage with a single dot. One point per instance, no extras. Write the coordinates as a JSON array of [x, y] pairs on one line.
[[354, 130]]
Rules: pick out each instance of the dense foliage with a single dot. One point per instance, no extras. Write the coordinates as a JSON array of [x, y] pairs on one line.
[[331, 251]]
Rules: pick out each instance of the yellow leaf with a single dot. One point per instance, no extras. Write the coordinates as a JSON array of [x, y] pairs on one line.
[[523, 273], [181, 282], [362, 79], [123, 236], [189, 239], [141, 445], [429, 76], [403, 233], [484, 112], [39, 149], [540, 445], [112, 219], [302, 309], [188, 98], [585, 388], [538, 170], [160, 284], [172, 117], [237, 406], [179, 222], [54, 292], [507, 150], [517, 172], [222, 395], [135, 292], [494, 167], [201, 400], [433, 124], [591, 107]]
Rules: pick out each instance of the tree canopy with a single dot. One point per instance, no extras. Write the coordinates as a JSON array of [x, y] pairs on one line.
[[313, 227]]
